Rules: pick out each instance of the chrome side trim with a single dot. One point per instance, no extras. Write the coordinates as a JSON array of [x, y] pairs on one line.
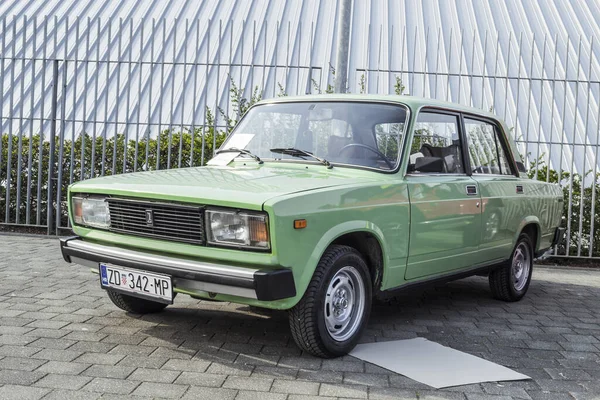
[[172, 262]]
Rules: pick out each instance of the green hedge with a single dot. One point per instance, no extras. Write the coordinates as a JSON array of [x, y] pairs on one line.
[[163, 152], [575, 194]]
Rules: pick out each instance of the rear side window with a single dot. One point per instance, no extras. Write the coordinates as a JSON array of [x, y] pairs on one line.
[[486, 152], [436, 144]]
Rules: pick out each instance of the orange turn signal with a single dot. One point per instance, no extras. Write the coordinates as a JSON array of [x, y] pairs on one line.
[[299, 224]]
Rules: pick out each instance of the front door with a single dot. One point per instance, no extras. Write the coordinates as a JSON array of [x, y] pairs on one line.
[[445, 203]]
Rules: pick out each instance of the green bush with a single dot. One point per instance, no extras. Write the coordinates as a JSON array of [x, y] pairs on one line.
[[577, 195], [170, 149]]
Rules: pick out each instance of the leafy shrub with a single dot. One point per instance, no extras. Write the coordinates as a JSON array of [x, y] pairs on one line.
[[169, 150], [578, 196]]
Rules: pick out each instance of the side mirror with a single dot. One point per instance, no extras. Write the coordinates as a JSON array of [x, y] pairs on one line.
[[430, 164]]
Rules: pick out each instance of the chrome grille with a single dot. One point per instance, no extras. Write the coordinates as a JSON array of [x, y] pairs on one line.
[[168, 221]]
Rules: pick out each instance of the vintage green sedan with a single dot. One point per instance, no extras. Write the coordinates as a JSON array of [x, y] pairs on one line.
[[317, 205]]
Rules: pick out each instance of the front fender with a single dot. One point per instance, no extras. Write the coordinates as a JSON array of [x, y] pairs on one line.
[[330, 236]]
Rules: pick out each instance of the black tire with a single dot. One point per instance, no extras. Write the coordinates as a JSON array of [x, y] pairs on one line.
[[505, 282], [308, 318], [135, 304]]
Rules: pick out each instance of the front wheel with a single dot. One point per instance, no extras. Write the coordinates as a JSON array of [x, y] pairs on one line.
[[511, 281], [334, 311], [134, 304]]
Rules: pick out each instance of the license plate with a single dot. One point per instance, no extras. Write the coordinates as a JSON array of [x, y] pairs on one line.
[[138, 283]]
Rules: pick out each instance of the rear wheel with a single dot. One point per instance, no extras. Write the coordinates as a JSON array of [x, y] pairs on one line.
[[334, 311], [511, 281], [134, 304]]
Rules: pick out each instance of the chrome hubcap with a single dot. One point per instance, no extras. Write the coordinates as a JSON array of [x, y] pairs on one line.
[[521, 265], [344, 303]]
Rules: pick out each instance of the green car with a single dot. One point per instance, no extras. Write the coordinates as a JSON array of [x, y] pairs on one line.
[[317, 205]]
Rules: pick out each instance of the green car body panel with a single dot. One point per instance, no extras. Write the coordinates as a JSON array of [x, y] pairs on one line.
[[424, 226]]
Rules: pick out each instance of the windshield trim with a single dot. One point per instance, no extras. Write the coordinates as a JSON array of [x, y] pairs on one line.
[[334, 164]]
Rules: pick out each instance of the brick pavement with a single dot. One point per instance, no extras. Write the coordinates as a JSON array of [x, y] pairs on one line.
[[61, 338]]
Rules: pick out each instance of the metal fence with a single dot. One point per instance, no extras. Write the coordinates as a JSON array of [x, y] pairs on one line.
[[87, 98]]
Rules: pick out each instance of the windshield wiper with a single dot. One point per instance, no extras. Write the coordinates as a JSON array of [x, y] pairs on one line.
[[241, 151], [294, 152]]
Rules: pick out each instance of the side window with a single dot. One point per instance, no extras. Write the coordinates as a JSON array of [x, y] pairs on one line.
[[436, 144], [388, 136], [486, 153]]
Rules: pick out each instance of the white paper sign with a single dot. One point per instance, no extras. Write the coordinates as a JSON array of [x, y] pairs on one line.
[[433, 364], [238, 140]]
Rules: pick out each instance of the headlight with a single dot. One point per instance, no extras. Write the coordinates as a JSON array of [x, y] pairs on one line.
[[91, 212], [237, 228]]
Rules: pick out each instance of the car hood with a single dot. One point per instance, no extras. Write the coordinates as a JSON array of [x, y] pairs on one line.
[[231, 186]]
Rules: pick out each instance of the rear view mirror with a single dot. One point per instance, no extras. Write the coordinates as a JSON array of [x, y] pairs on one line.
[[320, 114]]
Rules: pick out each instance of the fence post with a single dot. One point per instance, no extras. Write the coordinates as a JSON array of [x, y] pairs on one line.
[[343, 46], [61, 146], [50, 196]]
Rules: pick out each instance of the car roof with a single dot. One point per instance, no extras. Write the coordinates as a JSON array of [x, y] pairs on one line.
[[414, 103]]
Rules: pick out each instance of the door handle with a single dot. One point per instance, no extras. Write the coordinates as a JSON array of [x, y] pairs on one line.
[[471, 190], [520, 189]]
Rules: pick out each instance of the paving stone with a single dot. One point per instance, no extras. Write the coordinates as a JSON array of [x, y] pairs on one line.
[[15, 377], [295, 387], [57, 355], [248, 383], [153, 375], [542, 395], [162, 390], [19, 363], [342, 366], [313, 363], [321, 376], [114, 386], [57, 381], [17, 340], [99, 358], [309, 397], [351, 391], [47, 333], [59, 394], [92, 347], [260, 396], [568, 374], [19, 392], [274, 372], [17, 351], [56, 344], [197, 392], [398, 394], [503, 389], [200, 379], [186, 365], [143, 362], [63, 367], [241, 370], [123, 339], [109, 371]]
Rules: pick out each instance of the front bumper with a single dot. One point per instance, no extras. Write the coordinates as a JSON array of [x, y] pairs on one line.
[[188, 275]]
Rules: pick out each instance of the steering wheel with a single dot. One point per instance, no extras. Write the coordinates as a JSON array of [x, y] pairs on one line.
[[373, 149]]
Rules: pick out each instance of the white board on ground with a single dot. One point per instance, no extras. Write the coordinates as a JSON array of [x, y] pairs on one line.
[[433, 364]]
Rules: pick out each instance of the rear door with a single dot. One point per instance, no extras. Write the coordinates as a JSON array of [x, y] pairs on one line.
[[444, 200], [502, 192]]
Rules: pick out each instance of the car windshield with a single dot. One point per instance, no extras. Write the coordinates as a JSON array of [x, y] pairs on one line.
[[348, 133]]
